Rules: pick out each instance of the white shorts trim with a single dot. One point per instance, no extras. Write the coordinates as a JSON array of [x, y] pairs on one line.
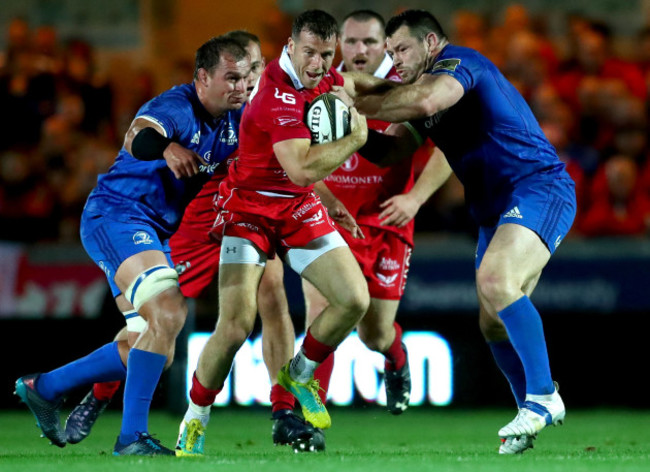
[[299, 258], [235, 250]]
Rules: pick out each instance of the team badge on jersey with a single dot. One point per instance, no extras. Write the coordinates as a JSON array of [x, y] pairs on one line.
[[351, 164], [142, 237], [182, 266], [228, 136], [446, 64]]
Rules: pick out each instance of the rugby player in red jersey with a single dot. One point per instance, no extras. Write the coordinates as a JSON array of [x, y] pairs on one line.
[[384, 202], [267, 206]]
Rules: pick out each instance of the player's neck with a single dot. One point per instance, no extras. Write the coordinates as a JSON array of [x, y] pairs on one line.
[[435, 53]]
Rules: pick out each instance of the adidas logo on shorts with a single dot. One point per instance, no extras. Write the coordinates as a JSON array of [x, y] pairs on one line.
[[514, 213]]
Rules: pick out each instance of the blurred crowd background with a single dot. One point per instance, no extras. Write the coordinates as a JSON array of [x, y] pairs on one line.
[[63, 115]]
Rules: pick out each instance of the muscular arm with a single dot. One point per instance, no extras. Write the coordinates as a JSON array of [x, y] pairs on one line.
[[361, 83], [400, 209], [306, 164], [433, 176], [138, 125], [337, 211], [428, 96], [180, 160]]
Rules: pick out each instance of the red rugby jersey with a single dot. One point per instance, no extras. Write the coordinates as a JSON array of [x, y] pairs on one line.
[[361, 186], [276, 113]]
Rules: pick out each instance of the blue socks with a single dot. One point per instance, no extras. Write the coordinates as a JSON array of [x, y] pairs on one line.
[[143, 373], [508, 361], [526, 333], [102, 365]]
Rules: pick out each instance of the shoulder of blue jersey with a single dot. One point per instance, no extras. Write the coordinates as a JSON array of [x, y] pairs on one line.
[[446, 64]]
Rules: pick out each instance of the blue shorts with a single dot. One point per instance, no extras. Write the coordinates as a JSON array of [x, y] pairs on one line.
[[109, 242], [548, 207]]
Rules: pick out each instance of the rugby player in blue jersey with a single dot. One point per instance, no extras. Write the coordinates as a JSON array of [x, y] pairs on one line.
[[516, 188], [172, 147]]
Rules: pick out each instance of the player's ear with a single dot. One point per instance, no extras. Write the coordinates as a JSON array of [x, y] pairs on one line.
[[202, 76], [290, 45], [431, 41]]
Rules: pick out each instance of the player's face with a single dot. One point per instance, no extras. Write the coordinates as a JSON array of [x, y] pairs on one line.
[[362, 45], [257, 67], [311, 57], [410, 54], [225, 88]]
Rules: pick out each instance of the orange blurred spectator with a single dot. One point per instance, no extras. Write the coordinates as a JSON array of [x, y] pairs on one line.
[[594, 59], [622, 209]]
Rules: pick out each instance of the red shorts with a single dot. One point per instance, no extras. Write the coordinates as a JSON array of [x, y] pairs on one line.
[[272, 223], [197, 263], [384, 259]]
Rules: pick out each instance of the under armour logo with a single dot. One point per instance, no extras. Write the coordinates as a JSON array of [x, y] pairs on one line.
[[231, 249], [403, 405]]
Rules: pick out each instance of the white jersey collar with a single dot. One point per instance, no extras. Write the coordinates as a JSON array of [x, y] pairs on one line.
[[287, 66], [383, 69]]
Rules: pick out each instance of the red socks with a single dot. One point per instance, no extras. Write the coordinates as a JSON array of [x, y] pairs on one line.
[[315, 350], [200, 395], [104, 391], [395, 356], [323, 374], [281, 399]]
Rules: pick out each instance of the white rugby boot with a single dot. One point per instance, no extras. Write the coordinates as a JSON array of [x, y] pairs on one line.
[[537, 412], [516, 445]]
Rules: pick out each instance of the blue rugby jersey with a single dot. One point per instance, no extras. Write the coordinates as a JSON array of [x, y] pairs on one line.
[[490, 136], [148, 189]]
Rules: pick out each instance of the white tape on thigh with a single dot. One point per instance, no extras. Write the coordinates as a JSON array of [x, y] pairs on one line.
[[299, 258], [134, 322], [149, 284], [236, 250]]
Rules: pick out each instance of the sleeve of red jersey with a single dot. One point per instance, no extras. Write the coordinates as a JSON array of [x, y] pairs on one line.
[[283, 115]]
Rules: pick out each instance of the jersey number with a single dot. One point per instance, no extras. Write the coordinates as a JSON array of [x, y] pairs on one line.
[[285, 97]]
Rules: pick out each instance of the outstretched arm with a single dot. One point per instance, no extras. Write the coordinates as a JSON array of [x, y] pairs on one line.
[[428, 96], [337, 211], [151, 143], [361, 83], [400, 209]]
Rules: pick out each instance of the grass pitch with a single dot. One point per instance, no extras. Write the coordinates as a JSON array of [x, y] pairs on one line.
[[367, 439]]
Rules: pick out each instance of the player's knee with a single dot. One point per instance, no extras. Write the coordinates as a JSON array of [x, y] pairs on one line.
[[236, 333], [167, 323], [233, 329], [168, 318], [355, 302], [495, 287], [272, 301]]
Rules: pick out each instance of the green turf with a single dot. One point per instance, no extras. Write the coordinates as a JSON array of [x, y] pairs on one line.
[[360, 440]]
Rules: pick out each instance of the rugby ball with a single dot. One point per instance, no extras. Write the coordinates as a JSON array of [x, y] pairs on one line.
[[328, 119]]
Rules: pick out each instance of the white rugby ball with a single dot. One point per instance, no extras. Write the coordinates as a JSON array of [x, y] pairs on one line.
[[328, 118]]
